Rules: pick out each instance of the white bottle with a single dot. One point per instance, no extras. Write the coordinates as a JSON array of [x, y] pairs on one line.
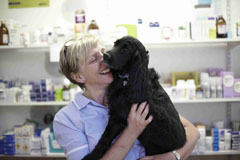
[[205, 84], [140, 30], [219, 87], [209, 143], [190, 89], [181, 89], [213, 89], [66, 90]]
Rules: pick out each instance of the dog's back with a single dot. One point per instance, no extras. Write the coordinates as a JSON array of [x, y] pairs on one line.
[[166, 132]]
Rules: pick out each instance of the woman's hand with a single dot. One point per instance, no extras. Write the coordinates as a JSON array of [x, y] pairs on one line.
[[137, 119], [164, 156]]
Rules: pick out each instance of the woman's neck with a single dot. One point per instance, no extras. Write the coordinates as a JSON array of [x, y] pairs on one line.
[[98, 96]]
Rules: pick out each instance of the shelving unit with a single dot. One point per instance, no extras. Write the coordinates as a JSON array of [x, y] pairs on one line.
[[211, 153], [160, 44], [229, 44], [175, 101], [207, 153]]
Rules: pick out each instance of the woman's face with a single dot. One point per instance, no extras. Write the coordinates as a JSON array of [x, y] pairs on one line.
[[94, 71]]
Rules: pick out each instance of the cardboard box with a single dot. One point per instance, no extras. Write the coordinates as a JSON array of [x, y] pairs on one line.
[[236, 88], [227, 83]]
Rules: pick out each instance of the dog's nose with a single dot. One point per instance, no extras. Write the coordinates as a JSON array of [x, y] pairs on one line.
[[106, 55]]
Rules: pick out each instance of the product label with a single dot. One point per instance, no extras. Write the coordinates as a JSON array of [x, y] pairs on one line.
[[237, 87], [94, 32], [80, 18], [79, 27], [222, 29], [66, 95], [5, 38], [228, 80]]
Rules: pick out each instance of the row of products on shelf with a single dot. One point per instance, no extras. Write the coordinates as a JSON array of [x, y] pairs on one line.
[[205, 28], [218, 138], [11, 92], [215, 83], [16, 34], [27, 140]]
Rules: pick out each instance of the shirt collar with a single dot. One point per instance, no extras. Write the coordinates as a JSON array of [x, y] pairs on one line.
[[81, 101]]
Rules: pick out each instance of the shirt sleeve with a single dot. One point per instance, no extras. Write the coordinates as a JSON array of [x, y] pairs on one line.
[[72, 139]]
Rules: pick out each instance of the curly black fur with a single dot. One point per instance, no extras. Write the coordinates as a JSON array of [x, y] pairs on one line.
[[135, 83]]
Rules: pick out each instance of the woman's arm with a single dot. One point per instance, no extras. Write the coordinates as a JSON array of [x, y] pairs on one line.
[[192, 138], [136, 124]]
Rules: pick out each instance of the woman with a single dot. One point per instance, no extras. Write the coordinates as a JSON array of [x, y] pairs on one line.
[[80, 124]]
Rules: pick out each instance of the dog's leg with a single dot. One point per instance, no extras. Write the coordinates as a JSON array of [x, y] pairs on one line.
[[112, 130]]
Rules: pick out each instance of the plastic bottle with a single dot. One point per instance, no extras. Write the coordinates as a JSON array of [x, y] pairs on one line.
[[209, 143], [238, 29], [212, 27], [205, 84], [140, 30], [93, 28], [181, 89], [4, 34], [213, 90], [219, 87], [80, 22], [66, 90], [199, 92], [221, 27], [190, 89]]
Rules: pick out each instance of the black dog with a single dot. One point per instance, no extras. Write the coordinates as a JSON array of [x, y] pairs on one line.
[[135, 83]]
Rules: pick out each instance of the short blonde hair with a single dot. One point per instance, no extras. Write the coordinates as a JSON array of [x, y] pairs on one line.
[[75, 51]]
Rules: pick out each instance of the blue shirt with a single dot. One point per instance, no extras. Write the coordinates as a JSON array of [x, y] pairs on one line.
[[79, 126]]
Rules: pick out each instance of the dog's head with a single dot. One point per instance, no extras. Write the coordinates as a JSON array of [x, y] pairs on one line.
[[124, 53]]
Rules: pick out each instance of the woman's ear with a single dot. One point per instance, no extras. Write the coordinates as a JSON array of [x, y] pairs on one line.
[[78, 77]]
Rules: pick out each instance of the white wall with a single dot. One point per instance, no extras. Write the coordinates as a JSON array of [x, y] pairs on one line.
[[35, 65]]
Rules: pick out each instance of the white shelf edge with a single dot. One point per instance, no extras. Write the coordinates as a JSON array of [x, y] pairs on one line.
[[207, 153], [212, 153], [24, 47], [63, 103], [147, 44], [37, 155], [60, 103], [210, 100]]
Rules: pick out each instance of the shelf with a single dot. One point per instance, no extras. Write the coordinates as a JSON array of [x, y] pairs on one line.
[[63, 103], [207, 153], [24, 47], [190, 43], [210, 100], [212, 153], [157, 44], [60, 103], [54, 155]]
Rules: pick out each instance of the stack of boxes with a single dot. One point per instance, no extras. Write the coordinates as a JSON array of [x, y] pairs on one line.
[[215, 135], [235, 140], [8, 143], [23, 138], [42, 92], [201, 141], [227, 139], [1, 144]]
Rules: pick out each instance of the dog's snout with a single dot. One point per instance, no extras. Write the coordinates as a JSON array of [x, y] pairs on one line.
[[106, 55]]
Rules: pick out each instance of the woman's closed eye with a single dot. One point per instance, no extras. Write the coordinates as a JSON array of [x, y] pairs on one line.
[[93, 59]]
